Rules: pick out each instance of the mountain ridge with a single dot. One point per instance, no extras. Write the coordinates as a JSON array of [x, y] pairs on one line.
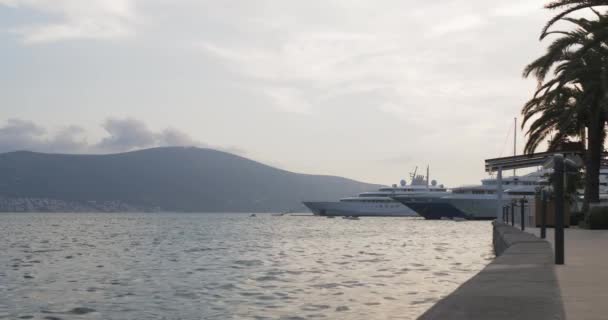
[[168, 179]]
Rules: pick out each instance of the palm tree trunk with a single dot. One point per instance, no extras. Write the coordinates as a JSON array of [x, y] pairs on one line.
[[593, 156]]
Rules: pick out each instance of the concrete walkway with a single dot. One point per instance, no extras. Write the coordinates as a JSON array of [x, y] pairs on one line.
[[583, 279], [519, 284]]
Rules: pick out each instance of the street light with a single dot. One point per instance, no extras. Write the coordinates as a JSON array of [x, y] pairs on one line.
[[560, 167]]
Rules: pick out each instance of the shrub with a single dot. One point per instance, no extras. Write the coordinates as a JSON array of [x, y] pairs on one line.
[[598, 217], [576, 218]]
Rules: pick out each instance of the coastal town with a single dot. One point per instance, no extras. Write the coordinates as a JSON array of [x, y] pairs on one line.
[[8, 204]]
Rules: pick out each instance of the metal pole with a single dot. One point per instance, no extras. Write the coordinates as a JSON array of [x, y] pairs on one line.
[[514, 142], [427, 177], [499, 201], [543, 214], [558, 186], [513, 213], [522, 201]]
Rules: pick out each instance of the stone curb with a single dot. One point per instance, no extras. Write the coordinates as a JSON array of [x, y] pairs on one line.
[[519, 284]]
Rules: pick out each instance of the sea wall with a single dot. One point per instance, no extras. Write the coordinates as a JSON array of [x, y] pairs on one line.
[[519, 284]]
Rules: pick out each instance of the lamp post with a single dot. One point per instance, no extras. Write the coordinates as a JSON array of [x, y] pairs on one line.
[[513, 213], [543, 214], [558, 185], [522, 203]]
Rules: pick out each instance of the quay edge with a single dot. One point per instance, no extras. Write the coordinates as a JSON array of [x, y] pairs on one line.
[[519, 284]]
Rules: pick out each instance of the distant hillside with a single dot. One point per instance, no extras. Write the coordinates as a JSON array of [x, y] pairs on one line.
[[169, 179]]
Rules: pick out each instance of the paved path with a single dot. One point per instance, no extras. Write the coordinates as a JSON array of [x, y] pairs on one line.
[[583, 279], [519, 284]]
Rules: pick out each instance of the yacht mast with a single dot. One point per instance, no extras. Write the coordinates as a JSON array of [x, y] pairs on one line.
[[514, 142], [427, 177]]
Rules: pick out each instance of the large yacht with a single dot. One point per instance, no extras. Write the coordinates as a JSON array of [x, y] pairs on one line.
[[377, 203], [476, 202]]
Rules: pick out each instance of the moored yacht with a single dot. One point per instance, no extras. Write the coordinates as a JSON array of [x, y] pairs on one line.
[[476, 202], [377, 203]]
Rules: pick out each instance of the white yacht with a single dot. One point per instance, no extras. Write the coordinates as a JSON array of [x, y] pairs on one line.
[[377, 203], [476, 202]]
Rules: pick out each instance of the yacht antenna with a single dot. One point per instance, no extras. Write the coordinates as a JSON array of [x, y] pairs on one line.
[[413, 175], [427, 177], [514, 143]]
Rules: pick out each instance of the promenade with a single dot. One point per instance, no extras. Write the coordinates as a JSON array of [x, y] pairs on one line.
[[583, 279], [519, 284]]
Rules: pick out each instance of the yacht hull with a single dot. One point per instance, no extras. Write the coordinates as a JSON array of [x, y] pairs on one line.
[[337, 208], [436, 210], [478, 209], [453, 207]]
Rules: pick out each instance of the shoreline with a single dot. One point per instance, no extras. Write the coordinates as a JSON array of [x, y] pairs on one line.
[[520, 283]]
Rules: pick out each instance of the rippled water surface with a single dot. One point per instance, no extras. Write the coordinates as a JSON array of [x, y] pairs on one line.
[[231, 266]]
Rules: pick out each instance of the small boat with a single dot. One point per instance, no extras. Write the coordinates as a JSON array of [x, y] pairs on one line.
[[253, 215], [459, 219], [350, 218], [280, 214], [329, 217]]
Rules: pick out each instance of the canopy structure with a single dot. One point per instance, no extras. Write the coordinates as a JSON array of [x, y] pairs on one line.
[[524, 161], [536, 159], [529, 160]]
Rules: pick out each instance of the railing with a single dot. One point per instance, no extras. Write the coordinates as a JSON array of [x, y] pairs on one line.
[[509, 216], [560, 167]]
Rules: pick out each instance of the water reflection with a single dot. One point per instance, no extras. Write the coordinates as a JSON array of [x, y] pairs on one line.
[[211, 266]]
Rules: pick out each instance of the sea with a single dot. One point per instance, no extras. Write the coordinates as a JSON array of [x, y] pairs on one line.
[[58, 266]]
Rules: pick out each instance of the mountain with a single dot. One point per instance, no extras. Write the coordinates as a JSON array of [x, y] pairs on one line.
[[167, 179]]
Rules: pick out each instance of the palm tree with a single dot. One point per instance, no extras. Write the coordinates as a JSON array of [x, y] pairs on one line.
[[558, 118], [570, 6], [576, 96]]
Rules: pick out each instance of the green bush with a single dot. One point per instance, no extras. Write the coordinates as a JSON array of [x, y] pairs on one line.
[[576, 217], [598, 217]]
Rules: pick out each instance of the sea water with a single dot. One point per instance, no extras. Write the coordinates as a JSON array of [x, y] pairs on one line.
[[231, 266]]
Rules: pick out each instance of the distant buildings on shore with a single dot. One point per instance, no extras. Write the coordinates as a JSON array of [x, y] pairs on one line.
[[9, 204]]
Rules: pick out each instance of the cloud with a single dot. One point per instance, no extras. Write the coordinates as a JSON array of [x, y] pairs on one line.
[[429, 54], [76, 19], [458, 24], [309, 76], [289, 100], [174, 137], [72, 139], [398, 159], [126, 134], [518, 8], [19, 134], [123, 135]]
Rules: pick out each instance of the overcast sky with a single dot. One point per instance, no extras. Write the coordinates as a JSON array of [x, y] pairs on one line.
[[362, 89]]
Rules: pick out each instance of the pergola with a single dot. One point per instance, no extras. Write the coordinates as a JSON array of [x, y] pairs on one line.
[[524, 161]]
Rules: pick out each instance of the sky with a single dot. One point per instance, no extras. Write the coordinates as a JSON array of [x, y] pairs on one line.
[[362, 89]]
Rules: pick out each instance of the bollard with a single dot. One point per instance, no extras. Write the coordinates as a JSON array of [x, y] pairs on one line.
[[543, 215], [513, 214], [522, 202], [558, 186]]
